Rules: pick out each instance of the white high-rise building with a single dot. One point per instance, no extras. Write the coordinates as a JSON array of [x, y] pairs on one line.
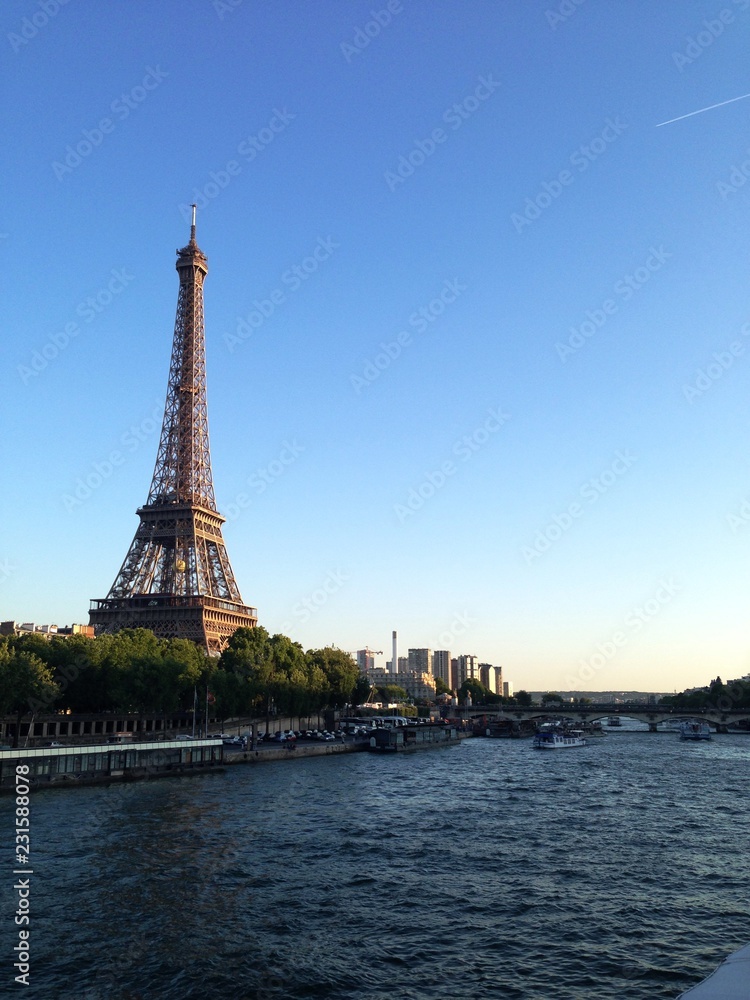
[[467, 668], [491, 677]]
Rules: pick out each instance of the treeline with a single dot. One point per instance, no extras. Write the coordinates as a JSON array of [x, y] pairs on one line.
[[481, 695], [718, 696], [135, 672]]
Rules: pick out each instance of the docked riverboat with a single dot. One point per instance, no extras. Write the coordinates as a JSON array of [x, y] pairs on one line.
[[402, 738], [695, 731], [59, 766], [558, 740]]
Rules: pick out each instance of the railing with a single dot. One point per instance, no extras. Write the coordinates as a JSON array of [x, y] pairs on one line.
[[170, 601]]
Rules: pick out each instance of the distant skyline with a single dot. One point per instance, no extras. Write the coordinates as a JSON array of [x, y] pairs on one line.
[[477, 318]]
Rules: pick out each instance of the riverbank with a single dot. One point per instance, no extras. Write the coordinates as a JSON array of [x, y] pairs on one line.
[[292, 751]]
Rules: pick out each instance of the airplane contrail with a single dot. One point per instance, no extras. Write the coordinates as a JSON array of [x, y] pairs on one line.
[[701, 110]]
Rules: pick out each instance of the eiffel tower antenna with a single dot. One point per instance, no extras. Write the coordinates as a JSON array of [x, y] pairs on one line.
[[176, 578]]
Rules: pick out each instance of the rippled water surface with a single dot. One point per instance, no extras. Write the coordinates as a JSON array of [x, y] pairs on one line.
[[487, 870]]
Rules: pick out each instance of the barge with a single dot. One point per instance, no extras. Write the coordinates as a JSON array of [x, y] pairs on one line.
[[405, 738], [56, 766]]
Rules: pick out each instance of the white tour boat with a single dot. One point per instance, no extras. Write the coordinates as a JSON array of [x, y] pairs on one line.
[[558, 740], [693, 730]]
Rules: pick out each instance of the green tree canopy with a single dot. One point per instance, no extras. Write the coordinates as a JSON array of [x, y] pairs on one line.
[[550, 697], [392, 694], [26, 684], [340, 672]]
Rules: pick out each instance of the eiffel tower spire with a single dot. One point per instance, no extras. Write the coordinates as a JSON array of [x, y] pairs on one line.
[[176, 578]]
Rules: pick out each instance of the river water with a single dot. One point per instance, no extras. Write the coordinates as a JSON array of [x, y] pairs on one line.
[[486, 870]]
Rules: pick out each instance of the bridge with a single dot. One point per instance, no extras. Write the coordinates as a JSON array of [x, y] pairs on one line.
[[650, 714]]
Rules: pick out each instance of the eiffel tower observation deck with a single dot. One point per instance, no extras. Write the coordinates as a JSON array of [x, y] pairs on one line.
[[176, 578]]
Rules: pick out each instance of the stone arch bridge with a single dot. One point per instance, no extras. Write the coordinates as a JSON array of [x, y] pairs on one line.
[[652, 715]]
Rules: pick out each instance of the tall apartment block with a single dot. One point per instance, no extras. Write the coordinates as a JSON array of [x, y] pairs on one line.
[[420, 661], [441, 665]]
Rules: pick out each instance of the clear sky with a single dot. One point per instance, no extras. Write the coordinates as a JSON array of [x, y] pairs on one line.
[[478, 331]]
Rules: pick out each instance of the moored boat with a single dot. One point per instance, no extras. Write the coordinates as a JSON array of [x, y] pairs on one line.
[[400, 738]]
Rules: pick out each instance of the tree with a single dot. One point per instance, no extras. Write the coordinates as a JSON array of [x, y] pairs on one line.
[[523, 698], [26, 685], [361, 690], [248, 660], [550, 697], [340, 671], [477, 690], [289, 676], [392, 694], [441, 687]]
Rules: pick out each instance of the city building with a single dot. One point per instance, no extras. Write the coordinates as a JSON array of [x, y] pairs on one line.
[[441, 666], [403, 665], [491, 677], [420, 661], [507, 689], [467, 668], [365, 660], [48, 631], [416, 684]]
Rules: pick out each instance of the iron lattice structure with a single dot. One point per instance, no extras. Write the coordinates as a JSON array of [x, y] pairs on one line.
[[176, 578]]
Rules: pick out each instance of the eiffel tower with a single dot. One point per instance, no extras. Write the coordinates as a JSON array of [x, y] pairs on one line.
[[176, 578]]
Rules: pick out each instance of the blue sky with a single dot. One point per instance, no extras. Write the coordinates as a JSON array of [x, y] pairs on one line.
[[478, 331]]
